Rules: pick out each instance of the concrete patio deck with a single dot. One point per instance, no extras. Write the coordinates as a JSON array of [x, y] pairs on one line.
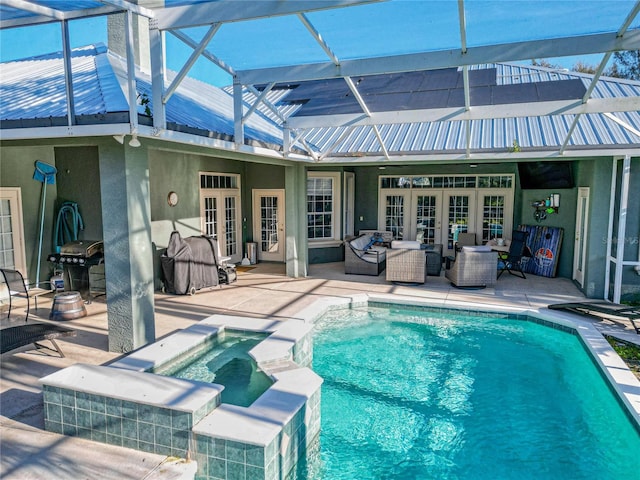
[[29, 452]]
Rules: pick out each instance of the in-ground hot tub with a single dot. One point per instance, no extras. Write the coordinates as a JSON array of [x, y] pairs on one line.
[[126, 404]]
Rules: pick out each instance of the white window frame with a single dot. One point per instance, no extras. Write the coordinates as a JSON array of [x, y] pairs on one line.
[[14, 195], [336, 223]]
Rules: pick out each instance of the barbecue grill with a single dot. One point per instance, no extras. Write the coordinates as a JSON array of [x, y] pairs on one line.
[[83, 264]]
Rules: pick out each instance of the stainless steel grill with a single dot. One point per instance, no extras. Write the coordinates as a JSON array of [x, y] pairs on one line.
[[83, 265]]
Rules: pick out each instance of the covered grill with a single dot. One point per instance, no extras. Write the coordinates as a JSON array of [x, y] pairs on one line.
[[83, 266]]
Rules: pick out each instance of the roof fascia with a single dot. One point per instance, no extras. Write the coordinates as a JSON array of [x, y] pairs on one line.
[[506, 52], [226, 11], [505, 156], [512, 110], [45, 14]]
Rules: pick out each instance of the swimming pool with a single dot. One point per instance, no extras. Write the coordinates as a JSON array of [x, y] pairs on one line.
[[412, 395]]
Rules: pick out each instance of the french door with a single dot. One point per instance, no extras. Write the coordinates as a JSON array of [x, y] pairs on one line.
[[268, 224], [459, 217], [221, 219], [580, 242], [413, 215]]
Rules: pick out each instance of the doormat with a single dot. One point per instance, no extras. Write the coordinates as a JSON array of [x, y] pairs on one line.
[[244, 268]]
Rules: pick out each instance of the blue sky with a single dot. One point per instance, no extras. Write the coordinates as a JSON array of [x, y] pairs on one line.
[[388, 28]]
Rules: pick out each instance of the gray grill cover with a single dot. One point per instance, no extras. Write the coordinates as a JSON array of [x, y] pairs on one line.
[[189, 264]]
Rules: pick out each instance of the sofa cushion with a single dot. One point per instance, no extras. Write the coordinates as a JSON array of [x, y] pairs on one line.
[[477, 248], [407, 244], [361, 242]]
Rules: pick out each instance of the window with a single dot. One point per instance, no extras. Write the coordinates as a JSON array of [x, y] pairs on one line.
[[12, 251], [323, 206]]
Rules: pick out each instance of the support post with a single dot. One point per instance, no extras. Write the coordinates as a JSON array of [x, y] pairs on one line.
[[124, 188], [297, 245]]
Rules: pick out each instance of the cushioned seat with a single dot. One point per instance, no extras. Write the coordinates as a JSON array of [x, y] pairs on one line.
[[474, 267], [406, 262], [362, 257]]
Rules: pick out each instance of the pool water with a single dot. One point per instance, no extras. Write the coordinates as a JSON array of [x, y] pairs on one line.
[[226, 361], [417, 395]]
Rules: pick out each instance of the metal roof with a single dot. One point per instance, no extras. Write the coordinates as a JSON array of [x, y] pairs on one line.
[[33, 90]]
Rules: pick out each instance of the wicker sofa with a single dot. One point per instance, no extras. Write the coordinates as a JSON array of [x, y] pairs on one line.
[[474, 267], [362, 258], [406, 262]]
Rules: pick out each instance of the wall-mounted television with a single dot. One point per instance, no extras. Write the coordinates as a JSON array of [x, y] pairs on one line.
[[546, 175]]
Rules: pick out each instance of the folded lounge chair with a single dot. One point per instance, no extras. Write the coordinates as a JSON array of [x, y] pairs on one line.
[[32, 333], [603, 310]]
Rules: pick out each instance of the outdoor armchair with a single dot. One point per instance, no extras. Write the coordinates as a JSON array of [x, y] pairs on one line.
[[406, 262], [473, 267], [361, 257]]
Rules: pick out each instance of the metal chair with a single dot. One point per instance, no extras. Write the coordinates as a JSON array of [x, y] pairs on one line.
[[512, 260]]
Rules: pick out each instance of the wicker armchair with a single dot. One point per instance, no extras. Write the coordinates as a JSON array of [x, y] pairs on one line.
[[474, 267], [360, 258], [406, 262]]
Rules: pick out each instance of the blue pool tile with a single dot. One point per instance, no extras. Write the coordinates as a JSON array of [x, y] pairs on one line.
[[98, 436], [180, 420], [82, 401], [203, 465], [146, 447], [146, 432], [97, 404], [67, 398], [180, 440], [129, 410], [99, 422], [54, 412], [83, 418], [255, 456], [52, 394], [202, 444], [114, 407], [254, 473], [235, 452], [114, 426], [84, 433], [145, 413], [162, 436], [114, 440], [218, 468], [55, 427], [162, 416], [69, 430], [130, 443], [68, 415], [218, 448], [236, 471], [129, 428]]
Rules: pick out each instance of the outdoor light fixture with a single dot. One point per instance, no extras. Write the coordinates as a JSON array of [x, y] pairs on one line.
[[119, 139], [134, 142]]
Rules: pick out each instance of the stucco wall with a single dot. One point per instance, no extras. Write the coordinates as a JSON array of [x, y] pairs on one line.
[[16, 170]]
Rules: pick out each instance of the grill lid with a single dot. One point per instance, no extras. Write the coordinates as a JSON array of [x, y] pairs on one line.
[[83, 248]]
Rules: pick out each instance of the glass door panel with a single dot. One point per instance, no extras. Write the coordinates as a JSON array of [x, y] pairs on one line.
[[268, 231], [394, 212], [426, 218], [459, 218]]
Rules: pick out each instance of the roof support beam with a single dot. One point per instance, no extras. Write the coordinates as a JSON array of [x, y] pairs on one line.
[[131, 72], [556, 47], [385, 152], [513, 110], [225, 11], [68, 74], [268, 104], [258, 101], [347, 131], [238, 126], [206, 54], [131, 7], [38, 9], [622, 123], [598, 73], [156, 45], [190, 62], [307, 23]]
